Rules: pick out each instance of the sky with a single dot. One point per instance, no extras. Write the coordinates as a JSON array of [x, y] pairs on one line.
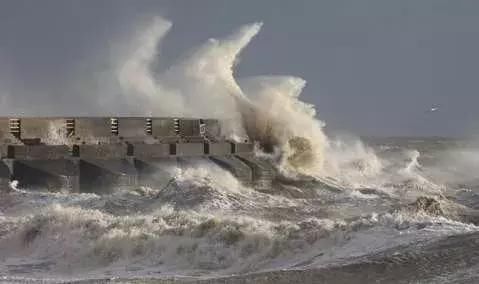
[[372, 67]]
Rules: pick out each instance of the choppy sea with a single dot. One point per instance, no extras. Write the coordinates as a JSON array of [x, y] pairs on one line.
[[397, 210]]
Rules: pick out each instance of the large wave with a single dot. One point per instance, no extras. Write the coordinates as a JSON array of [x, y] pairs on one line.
[[265, 109]]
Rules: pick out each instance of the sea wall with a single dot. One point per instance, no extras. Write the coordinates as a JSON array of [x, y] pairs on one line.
[[100, 154]]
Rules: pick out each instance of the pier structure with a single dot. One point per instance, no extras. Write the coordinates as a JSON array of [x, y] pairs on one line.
[[100, 154]]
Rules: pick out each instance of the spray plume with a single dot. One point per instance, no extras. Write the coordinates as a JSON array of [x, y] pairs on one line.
[[266, 109]]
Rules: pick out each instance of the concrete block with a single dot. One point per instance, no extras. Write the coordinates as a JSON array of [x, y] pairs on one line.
[[163, 127], [31, 152], [189, 127], [223, 148], [52, 175], [4, 170], [104, 151], [213, 128], [49, 130], [192, 162], [189, 149], [104, 176], [237, 167], [156, 172], [151, 151], [5, 136], [132, 127], [263, 172], [5, 174], [92, 128], [244, 147]]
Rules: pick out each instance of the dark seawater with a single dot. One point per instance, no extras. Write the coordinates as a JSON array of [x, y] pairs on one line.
[[396, 210]]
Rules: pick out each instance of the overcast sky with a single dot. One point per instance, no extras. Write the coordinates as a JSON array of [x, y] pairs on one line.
[[372, 67]]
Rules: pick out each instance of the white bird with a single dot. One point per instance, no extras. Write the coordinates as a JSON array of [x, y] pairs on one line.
[[433, 109]]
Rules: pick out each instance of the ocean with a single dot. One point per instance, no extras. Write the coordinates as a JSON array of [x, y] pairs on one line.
[[409, 216]]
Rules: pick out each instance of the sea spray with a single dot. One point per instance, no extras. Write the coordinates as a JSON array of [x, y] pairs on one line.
[[279, 119], [202, 84], [141, 89], [266, 110]]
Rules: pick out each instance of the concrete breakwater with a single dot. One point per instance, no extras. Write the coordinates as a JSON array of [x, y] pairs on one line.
[[98, 154]]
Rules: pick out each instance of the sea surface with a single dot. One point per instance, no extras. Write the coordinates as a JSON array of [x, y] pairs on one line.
[[407, 211]]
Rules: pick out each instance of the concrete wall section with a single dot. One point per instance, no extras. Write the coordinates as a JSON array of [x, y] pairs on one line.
[[237, 167], [213, 128], [151, 151], [104, 151], [156, 173], [263, 172], [162, 127], [223, 148], [102, 176], [49, 130], [92, 127], [52, 175], [99, 154], [5, 174], [54, 129], [5, 136], [189, 149], [244, 147], [189, 127], [115, 166], [132, 127], [28, 152], [161, 163]]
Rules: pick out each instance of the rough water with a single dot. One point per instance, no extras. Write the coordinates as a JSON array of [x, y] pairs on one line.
[[399, 225], [342, 210]]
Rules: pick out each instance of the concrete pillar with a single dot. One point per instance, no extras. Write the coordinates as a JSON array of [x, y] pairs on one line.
[[263, 172], [52, 175], [5, 174], [155, 172], [236, 166], [106, 175]]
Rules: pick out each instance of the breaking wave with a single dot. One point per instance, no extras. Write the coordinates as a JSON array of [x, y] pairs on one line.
[[265, 109], [205, 225]]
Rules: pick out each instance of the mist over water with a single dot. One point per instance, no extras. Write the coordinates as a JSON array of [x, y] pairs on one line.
[[338, 201]]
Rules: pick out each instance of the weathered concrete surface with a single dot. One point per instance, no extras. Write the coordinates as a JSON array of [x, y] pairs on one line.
[[98, 154], [213, 128], [243, 147], [101, 175], [221, 148], [163, 127], [53, 175], [151, 151], [132, 127], [48, 130], [5, 175], [92, 129], [42, 152], [237, 167], [189, 149], [104, 151], [155, 172], [189, 127], [5, 131], [263, 172]]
